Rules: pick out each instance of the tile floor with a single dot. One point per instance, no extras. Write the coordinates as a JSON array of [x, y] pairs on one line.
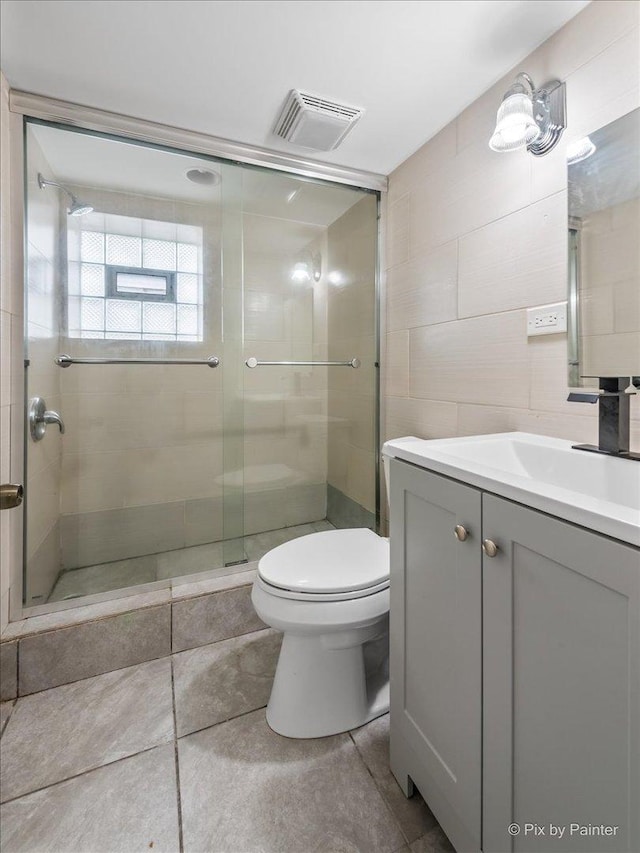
[[171, 564], [175, 755]]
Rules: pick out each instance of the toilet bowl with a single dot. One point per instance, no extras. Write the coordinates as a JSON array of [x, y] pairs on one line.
[[329, 594]]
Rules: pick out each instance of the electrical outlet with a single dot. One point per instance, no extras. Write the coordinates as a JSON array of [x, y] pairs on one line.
[[547, 319]]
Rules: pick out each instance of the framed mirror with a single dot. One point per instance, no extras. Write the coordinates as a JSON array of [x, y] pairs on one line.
[[604, 253]]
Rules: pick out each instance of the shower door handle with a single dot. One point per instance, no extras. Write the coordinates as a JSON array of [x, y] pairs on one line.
[[40, 417]]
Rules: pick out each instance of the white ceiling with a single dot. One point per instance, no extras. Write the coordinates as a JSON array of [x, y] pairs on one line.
[[89, 162], [224, 67]]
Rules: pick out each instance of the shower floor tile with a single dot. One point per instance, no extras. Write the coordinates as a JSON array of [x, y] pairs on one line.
[[91, 766], [75, 583]]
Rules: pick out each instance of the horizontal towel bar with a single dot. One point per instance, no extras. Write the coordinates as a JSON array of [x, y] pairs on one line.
[[67, 361], [253, 362]]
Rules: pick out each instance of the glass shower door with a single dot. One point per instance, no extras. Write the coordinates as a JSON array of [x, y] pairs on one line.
[[131, 292]]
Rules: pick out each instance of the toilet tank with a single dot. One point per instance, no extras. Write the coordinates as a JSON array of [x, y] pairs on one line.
[[387, 454]]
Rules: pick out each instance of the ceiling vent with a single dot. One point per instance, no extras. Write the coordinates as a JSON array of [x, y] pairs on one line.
[[315, 122]]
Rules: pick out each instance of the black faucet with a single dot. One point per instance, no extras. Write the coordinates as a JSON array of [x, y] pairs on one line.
[[614, 416]]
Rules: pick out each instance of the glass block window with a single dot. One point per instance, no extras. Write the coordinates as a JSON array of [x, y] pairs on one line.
[[135, 279]]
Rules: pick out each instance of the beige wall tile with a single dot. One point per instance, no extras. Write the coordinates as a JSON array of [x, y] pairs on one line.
[[515, 262], [476, 187], [423, 291], [422, 418], [398, 234], [397, 364], [479, 360]]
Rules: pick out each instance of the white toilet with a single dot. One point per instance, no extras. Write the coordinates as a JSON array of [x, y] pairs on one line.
[[329, 594]]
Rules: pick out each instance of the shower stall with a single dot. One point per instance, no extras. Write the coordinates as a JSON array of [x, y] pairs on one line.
[[201, 352]]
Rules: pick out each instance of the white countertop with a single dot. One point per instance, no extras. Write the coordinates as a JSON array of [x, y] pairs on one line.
[[598, 492]]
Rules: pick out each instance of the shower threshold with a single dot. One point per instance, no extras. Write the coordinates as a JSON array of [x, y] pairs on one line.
[[151, 568]]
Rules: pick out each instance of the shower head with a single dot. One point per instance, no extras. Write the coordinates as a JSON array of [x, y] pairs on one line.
[[76, 208]]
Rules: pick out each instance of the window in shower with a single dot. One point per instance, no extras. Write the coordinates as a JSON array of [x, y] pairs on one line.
[[134, 279]]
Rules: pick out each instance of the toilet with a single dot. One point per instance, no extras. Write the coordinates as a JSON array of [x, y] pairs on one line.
[[329, 594]]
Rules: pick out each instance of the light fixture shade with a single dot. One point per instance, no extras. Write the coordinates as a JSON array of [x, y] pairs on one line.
[[300, 272], [580, 150], [515, 124]]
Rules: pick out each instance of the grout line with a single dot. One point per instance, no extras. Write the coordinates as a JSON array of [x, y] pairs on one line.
[[11, 710], [85, 772], [221, 722], [87, 677], [380, 791], [177, 760]]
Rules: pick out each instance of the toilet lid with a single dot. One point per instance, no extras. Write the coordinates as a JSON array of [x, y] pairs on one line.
[[331, 561]]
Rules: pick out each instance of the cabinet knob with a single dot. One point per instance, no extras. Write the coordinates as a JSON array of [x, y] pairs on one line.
[[460, 532], [490, 548]]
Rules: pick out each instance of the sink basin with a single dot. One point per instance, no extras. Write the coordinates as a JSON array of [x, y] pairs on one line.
[[598, 492]]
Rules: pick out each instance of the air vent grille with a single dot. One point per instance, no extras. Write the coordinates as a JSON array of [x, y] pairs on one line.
[[315, 122]]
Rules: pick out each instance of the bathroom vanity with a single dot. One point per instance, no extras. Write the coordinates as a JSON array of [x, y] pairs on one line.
[[515, 641]]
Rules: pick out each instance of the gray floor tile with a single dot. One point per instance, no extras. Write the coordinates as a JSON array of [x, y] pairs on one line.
[[124, 807], [5, 712], [413, 815], [434, 841], [223, 680], [244, 788], [62, 732]]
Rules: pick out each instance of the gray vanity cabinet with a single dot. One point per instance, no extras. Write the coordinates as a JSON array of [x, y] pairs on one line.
[[436, 639], [514, 677], [561, 657]]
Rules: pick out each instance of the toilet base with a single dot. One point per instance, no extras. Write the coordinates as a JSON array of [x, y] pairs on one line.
[[322, 687]]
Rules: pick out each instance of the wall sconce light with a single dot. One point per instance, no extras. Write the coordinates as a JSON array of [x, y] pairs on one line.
[[530, 117], [308, 267]]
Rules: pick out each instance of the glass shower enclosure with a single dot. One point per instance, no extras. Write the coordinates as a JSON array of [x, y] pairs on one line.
[[201, 363]]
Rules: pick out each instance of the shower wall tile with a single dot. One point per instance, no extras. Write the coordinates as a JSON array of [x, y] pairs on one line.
[[209, 618], [70, 654], [306, 503], [8, 671], [43, 567], [101, 537], [351, 319], [203, 521]]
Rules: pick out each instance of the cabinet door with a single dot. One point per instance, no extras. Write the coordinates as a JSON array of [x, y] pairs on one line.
[[561, 673], [436, 635]]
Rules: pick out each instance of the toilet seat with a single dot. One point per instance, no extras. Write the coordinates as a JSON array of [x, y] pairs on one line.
[[335, 565]]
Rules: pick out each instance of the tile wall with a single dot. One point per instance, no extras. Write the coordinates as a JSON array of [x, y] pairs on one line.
[[476, 237], [351, 306]]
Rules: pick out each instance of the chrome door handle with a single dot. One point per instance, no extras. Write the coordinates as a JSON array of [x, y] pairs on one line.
[[40, 417], [10, 495]]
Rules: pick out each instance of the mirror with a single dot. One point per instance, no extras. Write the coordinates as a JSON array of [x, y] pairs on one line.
[[604, 252]]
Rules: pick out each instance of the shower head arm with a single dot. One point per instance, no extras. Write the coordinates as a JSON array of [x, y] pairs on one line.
[[43, 182], [76, 208]]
